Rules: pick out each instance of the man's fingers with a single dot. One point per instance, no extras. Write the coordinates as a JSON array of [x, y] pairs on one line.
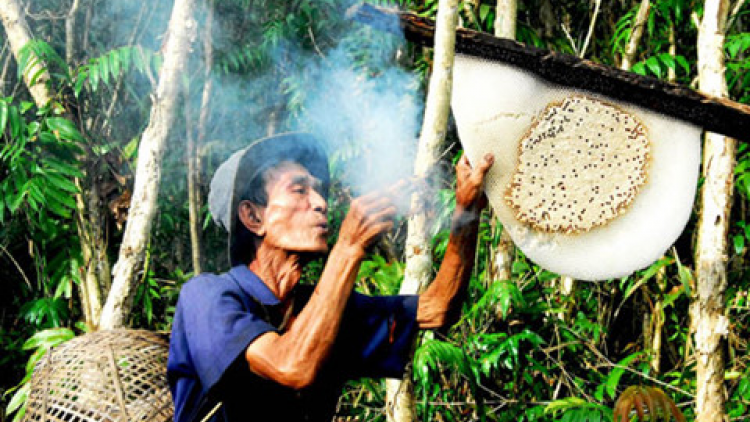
[[484, 166], [371, 203], [386, 214], [378, 229]]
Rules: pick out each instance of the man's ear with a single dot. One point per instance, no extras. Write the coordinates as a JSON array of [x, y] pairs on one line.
[[251, 216]]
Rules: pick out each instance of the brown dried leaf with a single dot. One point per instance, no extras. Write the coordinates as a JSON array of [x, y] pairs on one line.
[[623, 406], [652, 404], [638, 405]]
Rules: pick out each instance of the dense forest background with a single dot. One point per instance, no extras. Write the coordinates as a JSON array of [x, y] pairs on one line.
[[530, 345]]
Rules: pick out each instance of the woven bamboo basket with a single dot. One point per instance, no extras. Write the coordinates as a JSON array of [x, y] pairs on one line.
[[104, 376]]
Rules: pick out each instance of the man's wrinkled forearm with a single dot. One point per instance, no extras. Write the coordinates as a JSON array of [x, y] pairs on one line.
[[294, 358], [438, 305]]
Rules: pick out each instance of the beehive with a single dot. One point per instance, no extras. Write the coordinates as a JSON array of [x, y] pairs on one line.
[[586, 187]]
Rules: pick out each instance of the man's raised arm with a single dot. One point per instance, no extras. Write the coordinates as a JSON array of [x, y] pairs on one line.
[[294, 358], [441, 302]]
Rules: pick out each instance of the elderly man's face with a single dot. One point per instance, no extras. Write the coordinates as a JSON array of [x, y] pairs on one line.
[[295, 217]]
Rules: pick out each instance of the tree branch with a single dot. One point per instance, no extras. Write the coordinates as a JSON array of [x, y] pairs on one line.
[[713, 113]]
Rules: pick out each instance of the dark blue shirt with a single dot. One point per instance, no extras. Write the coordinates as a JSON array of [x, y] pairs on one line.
[[217, 317]]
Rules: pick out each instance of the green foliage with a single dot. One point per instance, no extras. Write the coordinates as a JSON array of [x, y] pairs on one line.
[[659, 65], [38, 57], [113, 65], [376, 276], [574, 409]]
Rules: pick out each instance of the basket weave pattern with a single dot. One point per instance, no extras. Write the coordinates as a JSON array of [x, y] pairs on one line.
[[104, 376]]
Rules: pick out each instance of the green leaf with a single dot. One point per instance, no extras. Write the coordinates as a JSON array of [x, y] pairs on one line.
[[563, 404], [63, 128], [614, 376], [484, 11], [3, 116], [48, 338], [682, 61], [62, 183], [80, 81], [639, 68], [61, 197], [94, 76], [18, 399], [104, 69], [63, 168], [739, 244], [668, 61], [26, 106], [653, 65], [114, 62]]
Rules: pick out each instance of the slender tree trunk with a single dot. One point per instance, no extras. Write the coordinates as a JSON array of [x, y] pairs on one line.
[[18, 33], [400, 394], [194, 163], [5, 67], [70, 33], [592, 25], [130, 262], [635, 36], [505, 18], [90, 221], [708, 311], [500, 269]]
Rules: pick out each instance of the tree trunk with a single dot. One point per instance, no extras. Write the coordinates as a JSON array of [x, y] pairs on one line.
[[505, 18], [500, 269], [592, 25], [70, 33], [635, 36], [193, 146], [400, 395], [708, 311], [18, 33], [179, 36]]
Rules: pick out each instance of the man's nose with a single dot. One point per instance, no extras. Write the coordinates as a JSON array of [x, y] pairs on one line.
[[318, 202]]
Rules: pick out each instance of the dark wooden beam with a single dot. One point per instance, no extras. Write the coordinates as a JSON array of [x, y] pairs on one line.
[[719, 115]]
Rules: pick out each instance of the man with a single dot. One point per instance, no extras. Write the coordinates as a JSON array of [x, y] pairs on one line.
[[270, 349]]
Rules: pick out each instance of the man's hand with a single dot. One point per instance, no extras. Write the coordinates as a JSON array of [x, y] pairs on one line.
[[369, 216], [470, 182]]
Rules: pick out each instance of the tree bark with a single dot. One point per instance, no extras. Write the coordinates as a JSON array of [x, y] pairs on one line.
[[19, 35], [505, 18], [418, 272], [70, 33], [635, 36], [194, 197], [501, 266], [708, 311], [179, 36]]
